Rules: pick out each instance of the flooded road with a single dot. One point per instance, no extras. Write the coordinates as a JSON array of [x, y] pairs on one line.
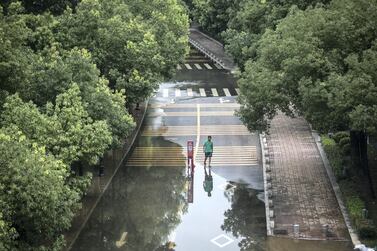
[[156, 202]]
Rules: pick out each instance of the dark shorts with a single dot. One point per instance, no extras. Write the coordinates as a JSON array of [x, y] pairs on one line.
[[209, 154]]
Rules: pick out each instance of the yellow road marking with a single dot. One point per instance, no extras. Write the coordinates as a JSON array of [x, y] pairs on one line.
[[197, 131]]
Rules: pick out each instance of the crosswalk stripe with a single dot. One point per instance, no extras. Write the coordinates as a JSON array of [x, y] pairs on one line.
[[238, 91], [188, 66], [202, 92], [179, 67], [218, 67], [202, 105], [191, 130], [175, 156], [198, 66], [177, 92], [226, 91], [208, 66], [190, 114]]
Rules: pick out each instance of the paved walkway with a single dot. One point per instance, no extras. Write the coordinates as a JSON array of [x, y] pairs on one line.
[[301, 190], [211, 48]]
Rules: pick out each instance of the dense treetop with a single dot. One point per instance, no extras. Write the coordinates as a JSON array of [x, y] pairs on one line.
[[69, 73], [314, 58]]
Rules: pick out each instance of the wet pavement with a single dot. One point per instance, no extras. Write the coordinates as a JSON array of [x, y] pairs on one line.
[[156, 201]]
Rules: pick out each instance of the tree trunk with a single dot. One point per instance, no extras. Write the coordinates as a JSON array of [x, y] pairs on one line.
[[359, 155]]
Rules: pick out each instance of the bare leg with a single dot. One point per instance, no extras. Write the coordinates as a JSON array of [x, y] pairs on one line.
[[205, 160], [209, 163]]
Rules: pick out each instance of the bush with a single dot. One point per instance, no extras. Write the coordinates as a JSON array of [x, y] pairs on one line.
[[344, 141], [367, 232], [340, 135], [355, 206], [334, 154]]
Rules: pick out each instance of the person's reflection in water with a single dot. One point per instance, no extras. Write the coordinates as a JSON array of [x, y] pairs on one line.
[[208, 181]]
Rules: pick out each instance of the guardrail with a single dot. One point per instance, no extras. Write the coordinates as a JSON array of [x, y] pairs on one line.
[[207, 53]]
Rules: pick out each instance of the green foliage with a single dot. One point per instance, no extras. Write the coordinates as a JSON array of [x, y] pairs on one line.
[[367, 232], [66, 129], [39, 205], [334, 155], [135, 44], [340, 135], [67, 73], [318, 62]]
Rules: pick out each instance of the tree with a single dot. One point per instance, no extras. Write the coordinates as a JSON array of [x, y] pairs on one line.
[[246, 219], [39, 205], [135, 44], [56, 70], [66, 129]]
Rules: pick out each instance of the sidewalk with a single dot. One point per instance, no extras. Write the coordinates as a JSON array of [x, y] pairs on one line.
[[211, 48], [112, 161], [301, 190]]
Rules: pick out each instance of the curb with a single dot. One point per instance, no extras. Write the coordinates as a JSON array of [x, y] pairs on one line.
[[338, 194], [137, 131], [267, 193]]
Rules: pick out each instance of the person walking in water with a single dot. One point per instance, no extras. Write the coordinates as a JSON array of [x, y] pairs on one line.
[[208, 181], [208, 150]]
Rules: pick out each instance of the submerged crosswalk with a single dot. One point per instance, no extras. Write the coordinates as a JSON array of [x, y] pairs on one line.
[[202, 92], [198, 66], [176, 156], [155, 131]]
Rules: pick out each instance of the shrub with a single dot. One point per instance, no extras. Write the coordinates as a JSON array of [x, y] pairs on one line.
[[340, 135], [344, 141], [367, 232], [334, 155]]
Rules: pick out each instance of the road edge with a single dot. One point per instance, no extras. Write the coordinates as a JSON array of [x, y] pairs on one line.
[[269, 222], [135, 135]]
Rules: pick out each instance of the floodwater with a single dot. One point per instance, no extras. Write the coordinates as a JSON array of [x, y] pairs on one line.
[[157, 202]]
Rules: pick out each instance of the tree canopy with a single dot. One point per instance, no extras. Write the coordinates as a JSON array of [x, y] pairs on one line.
[[312, 58], [70, 72]]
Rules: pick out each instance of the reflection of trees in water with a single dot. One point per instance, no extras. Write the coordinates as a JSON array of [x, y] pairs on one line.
[[155, 200], [144, 202], [246, 219]]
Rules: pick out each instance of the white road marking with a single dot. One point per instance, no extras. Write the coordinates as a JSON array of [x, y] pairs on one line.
[[238, 91], [179, 67], [188, 66], [198, 66], [222, 238], [177, 92], [189, 92], [165, 93], [202, 92], [218, 67], [226, 91], [208, 66], [214, 92]]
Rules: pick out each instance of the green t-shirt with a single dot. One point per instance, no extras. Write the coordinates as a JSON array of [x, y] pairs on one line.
[[208, 146]]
